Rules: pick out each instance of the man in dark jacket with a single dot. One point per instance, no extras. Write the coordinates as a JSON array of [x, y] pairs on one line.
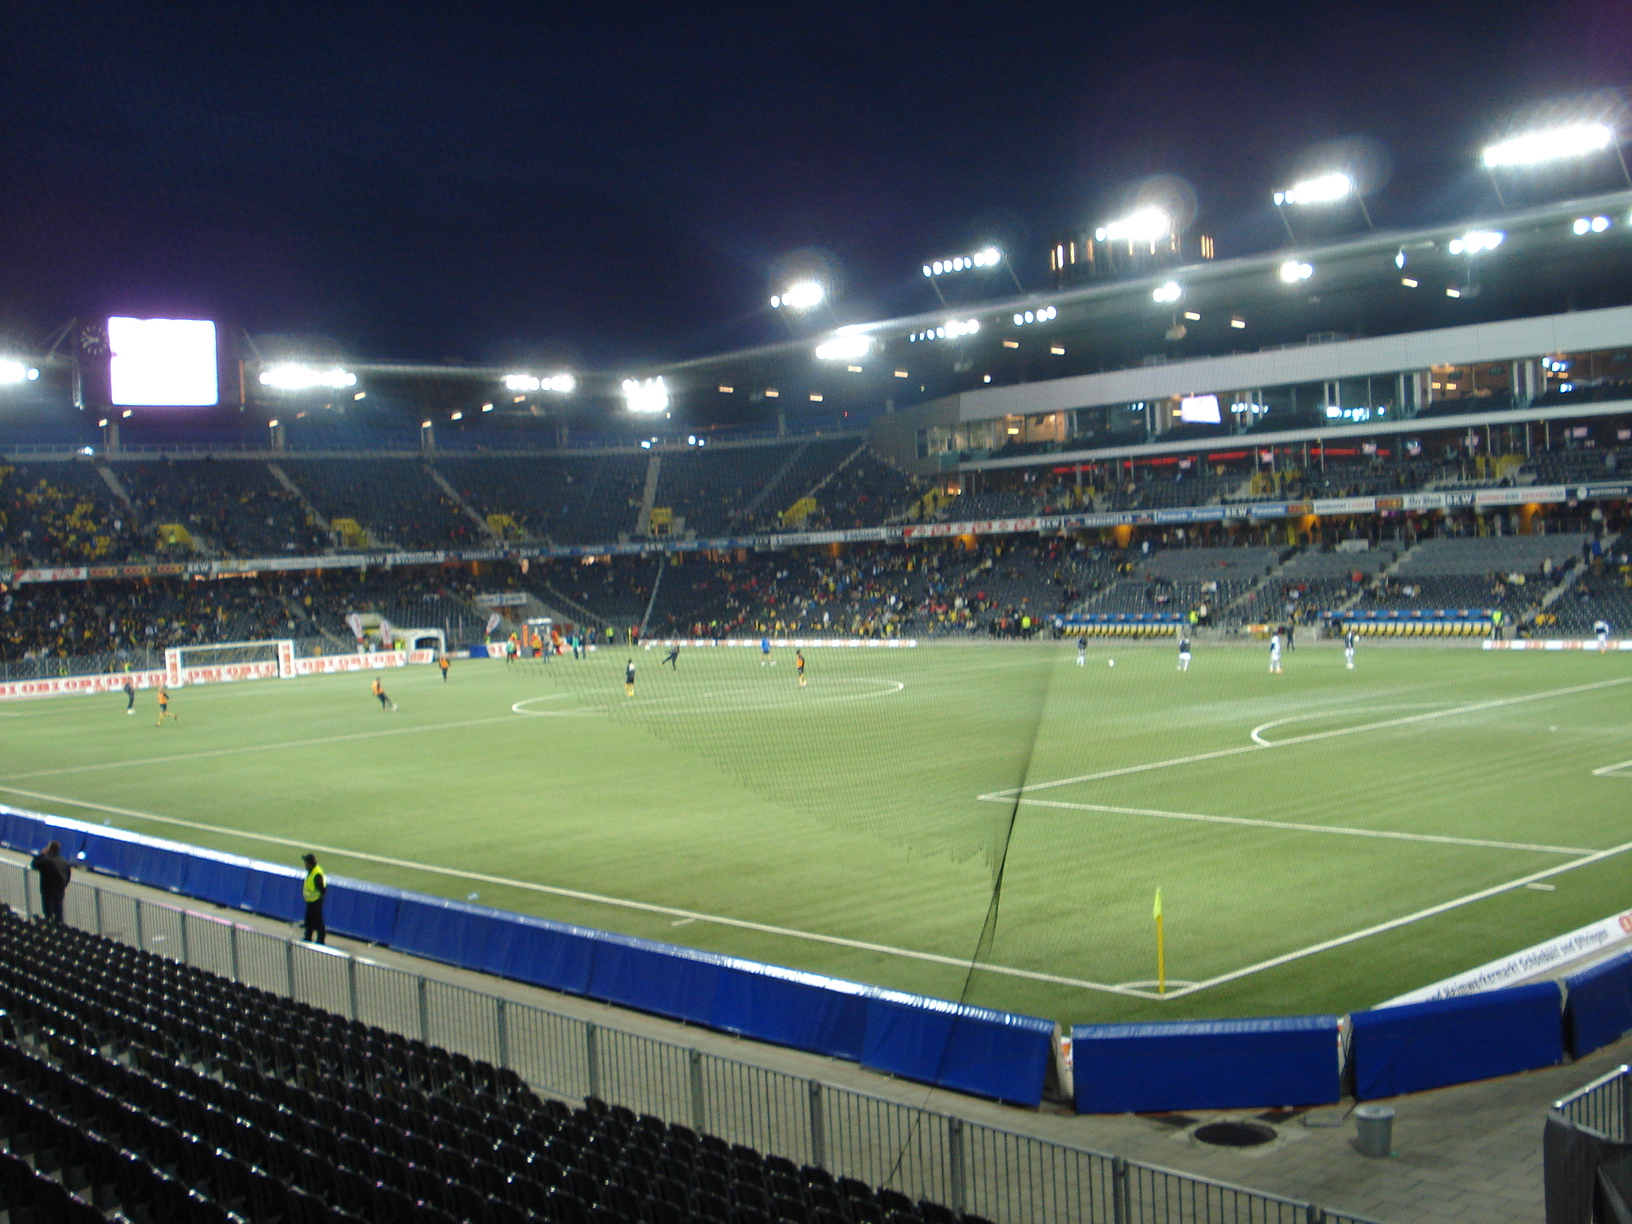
[[54, 873]]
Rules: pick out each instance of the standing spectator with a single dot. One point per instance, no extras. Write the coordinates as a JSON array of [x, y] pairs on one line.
[[54, 875], [313, 892]]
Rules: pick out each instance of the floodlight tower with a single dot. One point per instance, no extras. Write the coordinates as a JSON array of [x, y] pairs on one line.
[[1323, 189], [1546, 145]]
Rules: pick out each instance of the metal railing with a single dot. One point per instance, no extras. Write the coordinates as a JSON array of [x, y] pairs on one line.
[[1002, 1175], [1604, 1106]]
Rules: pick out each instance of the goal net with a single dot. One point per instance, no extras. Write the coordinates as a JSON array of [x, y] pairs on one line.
[[227, 661]]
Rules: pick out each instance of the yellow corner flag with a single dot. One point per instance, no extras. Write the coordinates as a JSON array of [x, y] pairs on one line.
[[1161, 948]]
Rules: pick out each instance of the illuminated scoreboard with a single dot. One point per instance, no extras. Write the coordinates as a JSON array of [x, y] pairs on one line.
[[163, 363]]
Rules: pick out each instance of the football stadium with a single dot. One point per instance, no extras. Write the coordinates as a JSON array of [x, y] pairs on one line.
[[1197, 688]]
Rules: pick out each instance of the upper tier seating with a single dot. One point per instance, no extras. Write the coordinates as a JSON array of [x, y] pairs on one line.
[[593, 499], [234, 507], [395, 500], [62, 514]]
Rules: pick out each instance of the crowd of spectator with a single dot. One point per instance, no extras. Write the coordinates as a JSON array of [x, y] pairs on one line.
[[54, 514]]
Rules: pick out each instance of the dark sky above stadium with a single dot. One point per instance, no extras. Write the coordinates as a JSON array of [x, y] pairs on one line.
[[617, 183]]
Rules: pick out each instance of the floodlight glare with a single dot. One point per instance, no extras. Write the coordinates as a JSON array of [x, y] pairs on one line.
[[1536, 147], [520, 382], [1292, 271], [805, 295], [646, 395], [305, 378], [1169, 292], [1326, 189], [845, 347], [1040, 316], [988, 257], [13, 371], [1474, 241], [1145, 225]]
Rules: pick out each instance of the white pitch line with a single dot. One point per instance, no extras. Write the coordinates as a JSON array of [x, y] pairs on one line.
[[578, 895], [1296, 826], [1312, 737], [1610, 771], [1408, 919], [220, 752]]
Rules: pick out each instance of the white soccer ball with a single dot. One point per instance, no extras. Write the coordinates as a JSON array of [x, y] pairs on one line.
[[1110, 662]]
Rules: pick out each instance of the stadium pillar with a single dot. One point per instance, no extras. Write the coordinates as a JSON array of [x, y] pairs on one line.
[[699, 1111], [818, 1128], [110, 437]]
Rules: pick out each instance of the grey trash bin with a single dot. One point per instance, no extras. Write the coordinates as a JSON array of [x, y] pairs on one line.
[[1376, 1127]]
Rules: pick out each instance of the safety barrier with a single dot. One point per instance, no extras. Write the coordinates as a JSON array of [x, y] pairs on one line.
[[1416, 1046], [977, 1050], [1002, 1175], [1598, 1004], [1585, 1144], [1206, 1064]]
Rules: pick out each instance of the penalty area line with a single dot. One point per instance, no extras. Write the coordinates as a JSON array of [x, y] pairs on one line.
[[1312, 737], [1617, 770], [1406, 920], [1297, 826], [579, 895]]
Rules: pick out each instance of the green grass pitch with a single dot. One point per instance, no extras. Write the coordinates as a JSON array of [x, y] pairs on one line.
[[1324, 838]]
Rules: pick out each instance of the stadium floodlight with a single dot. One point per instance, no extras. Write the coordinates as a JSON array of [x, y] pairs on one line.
[[1325, 189], [14, 371], [273, 423], [1292, 271], [1170, 291], [646, 396], [290, 377], [1047, 313], [801, 296], [1143, 225], [1475, 241], [1553, 144], [844, 347], [564, 384], [1591, 225], [986, 257]]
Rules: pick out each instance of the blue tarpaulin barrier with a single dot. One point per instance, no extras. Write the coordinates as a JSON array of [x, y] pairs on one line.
[[1598, 1006], [1452, 1041], [989, 1053], [1205, 1064]]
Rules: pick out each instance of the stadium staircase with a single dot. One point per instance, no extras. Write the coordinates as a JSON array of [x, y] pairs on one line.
[[1251, 594], [648, 499], [771, 485], [848, 460], [581, 615], [111, 479], [306, 504], [453, 495]]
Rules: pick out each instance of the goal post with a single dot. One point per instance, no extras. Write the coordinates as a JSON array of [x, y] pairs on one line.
[[227, 661]]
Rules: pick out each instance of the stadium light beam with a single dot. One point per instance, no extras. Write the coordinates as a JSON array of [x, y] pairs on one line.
[[1475, 241], [291, 377], [847, 347], [1293, 271], [564, 384], [1324, 189], [1170, 291], [1553, 144], [14, 371], [1143, 225], [800, 296]]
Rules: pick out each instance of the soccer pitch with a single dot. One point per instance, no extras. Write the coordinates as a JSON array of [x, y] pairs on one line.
[[1324, 839]]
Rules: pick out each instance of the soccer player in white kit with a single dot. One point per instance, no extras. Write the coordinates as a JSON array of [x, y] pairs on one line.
[[1082, 650], [1600, 630], [1275, 653], [1348, 647], [1184, 651]]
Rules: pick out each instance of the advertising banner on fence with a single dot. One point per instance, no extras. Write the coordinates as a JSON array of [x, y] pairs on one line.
[[1532, 962], [61, 686]]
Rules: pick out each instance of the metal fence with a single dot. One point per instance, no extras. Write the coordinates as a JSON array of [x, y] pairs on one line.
[[1604, 1106], [1007, 1177]]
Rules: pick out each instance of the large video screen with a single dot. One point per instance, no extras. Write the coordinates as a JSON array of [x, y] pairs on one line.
[[1199, 409], [163, 363]]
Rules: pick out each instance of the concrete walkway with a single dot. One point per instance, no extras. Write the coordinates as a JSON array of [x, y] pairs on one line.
[[1469, 1153]]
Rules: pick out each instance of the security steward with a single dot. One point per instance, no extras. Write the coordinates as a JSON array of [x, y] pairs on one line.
[[316, 886]]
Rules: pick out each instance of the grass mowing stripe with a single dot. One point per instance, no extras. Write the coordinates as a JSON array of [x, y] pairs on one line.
[[1312, 737], [1395, 923], [221, 752], [1295, 826], [576, 895]]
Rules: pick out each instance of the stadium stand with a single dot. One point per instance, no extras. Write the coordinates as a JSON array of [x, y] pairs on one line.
[[586, 500], [229, 507], [131, 1083], [62, 514], [812, 464], [395, 501], [1508, 572], [1181, 579], [1600, 588], [864, 492], [710, 488]]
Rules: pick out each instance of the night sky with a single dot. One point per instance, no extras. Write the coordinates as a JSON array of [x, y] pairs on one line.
[[607, 184]]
